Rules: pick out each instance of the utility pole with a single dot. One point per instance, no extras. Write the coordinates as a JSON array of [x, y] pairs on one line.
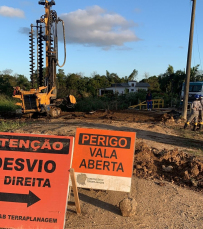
[[189, 57]]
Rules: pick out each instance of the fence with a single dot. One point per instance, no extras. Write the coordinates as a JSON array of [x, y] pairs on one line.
[[156, 103]]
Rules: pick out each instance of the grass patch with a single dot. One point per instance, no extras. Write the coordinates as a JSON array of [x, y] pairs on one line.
[[194, 139], [7, 104], [198, 153], [10, 125], [187, 133]]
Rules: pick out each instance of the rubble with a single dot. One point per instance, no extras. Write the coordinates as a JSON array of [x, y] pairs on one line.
[[170, 165], [128, 207]]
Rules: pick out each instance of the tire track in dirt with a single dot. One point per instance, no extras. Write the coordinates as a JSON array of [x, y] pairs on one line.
[[70, 125]]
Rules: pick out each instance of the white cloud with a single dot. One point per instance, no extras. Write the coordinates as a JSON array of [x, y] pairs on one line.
[[94, 26], [11, 12]]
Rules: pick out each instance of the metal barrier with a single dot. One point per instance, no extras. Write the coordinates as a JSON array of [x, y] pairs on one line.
[[156, 103]]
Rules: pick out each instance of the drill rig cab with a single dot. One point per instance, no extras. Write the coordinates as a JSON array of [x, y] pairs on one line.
[[42, 98]]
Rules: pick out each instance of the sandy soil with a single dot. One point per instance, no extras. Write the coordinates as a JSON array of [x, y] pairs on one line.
[[165, 199]]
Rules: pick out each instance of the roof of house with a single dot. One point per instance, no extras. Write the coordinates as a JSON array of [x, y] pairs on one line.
[[120, 85], [142, 85], [125, 85]]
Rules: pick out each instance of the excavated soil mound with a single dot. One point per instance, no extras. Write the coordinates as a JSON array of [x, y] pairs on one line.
[[170, 165], [125, 115]]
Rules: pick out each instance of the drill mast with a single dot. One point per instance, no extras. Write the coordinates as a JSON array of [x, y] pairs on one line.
[[46, 28]]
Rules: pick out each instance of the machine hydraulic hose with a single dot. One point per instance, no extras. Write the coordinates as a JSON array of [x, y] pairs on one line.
[[64, 40]]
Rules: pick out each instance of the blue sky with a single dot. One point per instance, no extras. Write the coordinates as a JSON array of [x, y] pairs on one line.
[[113, 35]]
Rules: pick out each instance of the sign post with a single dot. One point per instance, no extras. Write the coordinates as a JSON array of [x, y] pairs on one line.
[[34, 180], [103, 159]]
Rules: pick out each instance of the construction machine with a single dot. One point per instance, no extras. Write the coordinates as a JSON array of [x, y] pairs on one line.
[[42, 98]]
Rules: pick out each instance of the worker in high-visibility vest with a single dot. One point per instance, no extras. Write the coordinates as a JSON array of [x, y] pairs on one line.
[[196, 107]]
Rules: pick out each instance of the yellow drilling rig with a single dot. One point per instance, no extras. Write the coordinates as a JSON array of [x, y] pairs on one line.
[[42, 98]]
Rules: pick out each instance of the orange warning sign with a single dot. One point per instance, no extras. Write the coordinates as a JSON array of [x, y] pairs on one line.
[[34, 179], [103, 153]]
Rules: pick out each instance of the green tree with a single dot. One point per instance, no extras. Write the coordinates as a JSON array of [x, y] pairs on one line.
[[62, 91], [72, 83], [153, 81], [195, 74], [166, 80], [133, 75], [23, 82], [112, 78], [5, 86], [179, 78], [61, 79]]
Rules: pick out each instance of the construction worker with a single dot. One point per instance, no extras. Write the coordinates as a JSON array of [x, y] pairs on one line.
[[201, 112], [149, 101], [196, 107]]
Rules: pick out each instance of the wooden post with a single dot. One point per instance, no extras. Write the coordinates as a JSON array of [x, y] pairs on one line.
[[75, 190], [189, 57]]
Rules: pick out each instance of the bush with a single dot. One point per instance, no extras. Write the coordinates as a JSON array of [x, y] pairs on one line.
[[110, 101], [7, 104], [90, 104], [169, 100]]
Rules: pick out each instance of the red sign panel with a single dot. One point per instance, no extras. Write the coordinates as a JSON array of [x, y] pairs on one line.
[[103, 159], [34, 178]]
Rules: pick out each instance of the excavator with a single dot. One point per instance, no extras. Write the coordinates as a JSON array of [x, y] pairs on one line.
[[42, 98]]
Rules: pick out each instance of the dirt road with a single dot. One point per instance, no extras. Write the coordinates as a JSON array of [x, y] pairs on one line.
[[161, 140], [167, 206]]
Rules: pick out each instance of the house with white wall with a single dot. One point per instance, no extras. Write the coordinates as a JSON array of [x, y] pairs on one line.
[[123, 88]]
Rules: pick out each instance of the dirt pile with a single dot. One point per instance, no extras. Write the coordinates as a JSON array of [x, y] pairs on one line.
[[170, 165], [126, 115]]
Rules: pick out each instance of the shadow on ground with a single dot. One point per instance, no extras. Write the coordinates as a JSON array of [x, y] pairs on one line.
[[148, 135]]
